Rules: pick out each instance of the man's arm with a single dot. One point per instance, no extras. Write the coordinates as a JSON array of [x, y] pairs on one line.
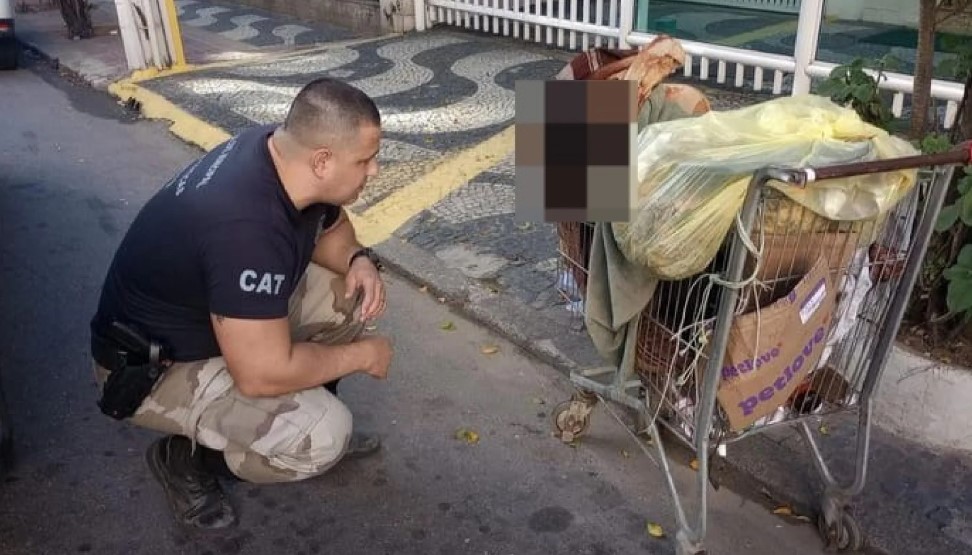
[[263, 361], [334, 251], [336, 245], [246, 267]]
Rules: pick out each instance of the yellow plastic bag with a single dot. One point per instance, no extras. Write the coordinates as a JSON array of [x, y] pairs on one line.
[[693, 175]]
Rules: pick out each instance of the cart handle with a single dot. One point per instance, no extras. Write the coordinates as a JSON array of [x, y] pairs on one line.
[[960, 154]]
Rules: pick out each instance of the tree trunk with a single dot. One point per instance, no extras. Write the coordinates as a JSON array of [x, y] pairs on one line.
[[77, 17], [924, 66], [963, 126]]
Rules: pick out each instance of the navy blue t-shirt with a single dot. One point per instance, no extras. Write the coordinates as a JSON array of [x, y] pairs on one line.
[[222, 236]]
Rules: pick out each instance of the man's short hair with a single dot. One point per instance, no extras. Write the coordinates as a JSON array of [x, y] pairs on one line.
[[327, 108]]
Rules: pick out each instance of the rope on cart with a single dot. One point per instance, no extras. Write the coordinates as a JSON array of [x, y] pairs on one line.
[[698, 338], [714, 279]]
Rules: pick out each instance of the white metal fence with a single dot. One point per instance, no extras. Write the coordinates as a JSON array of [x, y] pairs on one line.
[[569, 24], [578, 25]]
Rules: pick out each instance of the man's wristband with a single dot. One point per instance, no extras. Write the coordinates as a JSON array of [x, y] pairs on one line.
[[367, 252]]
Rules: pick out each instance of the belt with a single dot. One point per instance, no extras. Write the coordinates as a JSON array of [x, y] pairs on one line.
[[112, 355], [107, 354]]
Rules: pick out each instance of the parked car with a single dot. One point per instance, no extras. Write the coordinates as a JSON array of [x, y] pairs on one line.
[[9, 48]]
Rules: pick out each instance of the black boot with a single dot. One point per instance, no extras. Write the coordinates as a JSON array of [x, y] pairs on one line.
[[194, 494]]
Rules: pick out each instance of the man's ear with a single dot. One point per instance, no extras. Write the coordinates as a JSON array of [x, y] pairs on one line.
[[320, 159]]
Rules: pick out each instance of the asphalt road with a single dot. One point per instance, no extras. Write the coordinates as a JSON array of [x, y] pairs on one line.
[[74, 169]]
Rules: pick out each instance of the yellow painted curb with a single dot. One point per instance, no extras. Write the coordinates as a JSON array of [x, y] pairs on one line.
[[379, 222], [183, 125]]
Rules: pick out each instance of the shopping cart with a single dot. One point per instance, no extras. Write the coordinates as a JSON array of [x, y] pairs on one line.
[[674, 379]]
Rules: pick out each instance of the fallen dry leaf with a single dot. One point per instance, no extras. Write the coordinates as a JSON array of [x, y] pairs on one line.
[[824, 430], [625, 454], [424, 288], [469, 436], [694, 465], [448, 326], [489, 349], [785, 510], [655, 530]]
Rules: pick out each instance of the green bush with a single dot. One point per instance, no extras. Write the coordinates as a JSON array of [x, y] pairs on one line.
[[947, 274]]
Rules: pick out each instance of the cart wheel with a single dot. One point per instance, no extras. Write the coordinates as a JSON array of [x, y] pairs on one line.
[[572, 418], [845, 535]]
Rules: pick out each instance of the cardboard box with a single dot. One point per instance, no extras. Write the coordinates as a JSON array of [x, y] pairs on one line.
[[794, 254], [800, 276], [772, 350], [786, 258]]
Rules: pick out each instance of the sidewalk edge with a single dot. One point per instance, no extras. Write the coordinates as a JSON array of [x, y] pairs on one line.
[[28, 46], [184, 125], [470, 299]]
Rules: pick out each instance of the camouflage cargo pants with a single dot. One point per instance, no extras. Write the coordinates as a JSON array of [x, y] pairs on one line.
[[278, 439]]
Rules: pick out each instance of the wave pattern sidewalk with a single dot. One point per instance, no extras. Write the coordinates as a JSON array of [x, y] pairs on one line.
[[254, 26], [439, 92]]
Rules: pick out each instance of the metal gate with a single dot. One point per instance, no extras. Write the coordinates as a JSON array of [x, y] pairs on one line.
[[780, 6]]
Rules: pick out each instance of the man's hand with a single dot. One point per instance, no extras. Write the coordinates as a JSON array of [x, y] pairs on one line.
[[264, 363], [380, 350], [364, 276]]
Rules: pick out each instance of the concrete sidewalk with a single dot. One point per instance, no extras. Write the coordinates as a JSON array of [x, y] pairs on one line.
[[98, 61], [442, 214]]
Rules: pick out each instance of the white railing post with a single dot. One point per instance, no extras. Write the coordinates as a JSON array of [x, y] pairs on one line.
[[420, 13], [805, 49], [131, 43], [625, 22]]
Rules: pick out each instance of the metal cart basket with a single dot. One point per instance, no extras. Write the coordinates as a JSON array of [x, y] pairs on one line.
[[675, 379]]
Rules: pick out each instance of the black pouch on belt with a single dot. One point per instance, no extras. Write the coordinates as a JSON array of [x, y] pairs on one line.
[[135, 364]]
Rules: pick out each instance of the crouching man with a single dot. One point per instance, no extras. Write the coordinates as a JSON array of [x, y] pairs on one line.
[[237, 300]]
